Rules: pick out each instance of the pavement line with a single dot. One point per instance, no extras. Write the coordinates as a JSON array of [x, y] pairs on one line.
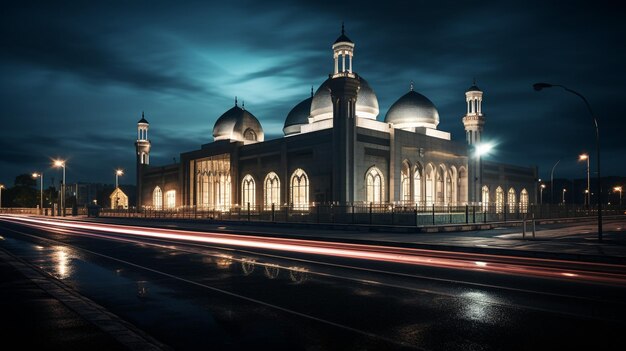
[[123, 332], [249, 299]]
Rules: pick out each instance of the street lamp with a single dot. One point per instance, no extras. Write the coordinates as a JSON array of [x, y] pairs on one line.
[[584, 157], [619, 188], [118, 173], [40, 175], [1, 187], [480, 149], [540, 86], [564, 190], [57, 164], [543, 186]]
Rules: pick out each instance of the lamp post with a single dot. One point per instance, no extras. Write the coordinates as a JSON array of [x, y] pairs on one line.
[[40, 176], [1, 187], [543, 186], [118, 173], [619, 188], [540, 86], [552, 182], [57, 164], [481, 149], [584, 157], [564, 190]]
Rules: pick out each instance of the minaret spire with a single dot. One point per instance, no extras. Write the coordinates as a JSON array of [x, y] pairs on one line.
[[235, 100], [411, 85], [342, 29], [311, 91]]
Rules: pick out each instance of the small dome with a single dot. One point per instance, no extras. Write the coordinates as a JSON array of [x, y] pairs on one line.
[[343, 38], [298, 116], [366, 102], [238, 124], [413, 110], [474, 88]]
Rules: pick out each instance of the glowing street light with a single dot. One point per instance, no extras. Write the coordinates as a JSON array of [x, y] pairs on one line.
[[543, 186], [586, 157], [40, 175], [564, 190], [118, 173], [619, 188], [540, 86], [61, 163]]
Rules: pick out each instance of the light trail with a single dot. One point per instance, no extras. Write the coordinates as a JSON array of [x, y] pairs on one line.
[[564, 270]]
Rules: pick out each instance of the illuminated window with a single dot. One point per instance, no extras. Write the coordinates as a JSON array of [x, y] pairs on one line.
[[374, 185], [429, 184], [299, 190], [449, 189], [499, 200], [511, 200], [405, 179], [213, 184], [248, 192], [271, 190], [523, 201], [485, 198], [439, 185], [170, 199], [157, 199], [417, 186]]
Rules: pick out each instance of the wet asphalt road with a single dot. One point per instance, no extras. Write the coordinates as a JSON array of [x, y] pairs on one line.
[[201, 296]]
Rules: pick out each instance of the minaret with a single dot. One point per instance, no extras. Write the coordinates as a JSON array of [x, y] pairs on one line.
[[142, 146], [344, 87], [474, 119]]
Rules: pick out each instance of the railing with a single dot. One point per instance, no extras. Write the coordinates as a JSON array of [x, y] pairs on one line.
[[373, 214], [46, 211]]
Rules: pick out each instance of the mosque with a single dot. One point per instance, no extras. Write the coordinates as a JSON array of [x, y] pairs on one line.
[[336, 149]]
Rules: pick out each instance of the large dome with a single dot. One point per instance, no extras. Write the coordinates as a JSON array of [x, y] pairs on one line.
[[298, 116], [413, 110], [239, 125], [366, 102]]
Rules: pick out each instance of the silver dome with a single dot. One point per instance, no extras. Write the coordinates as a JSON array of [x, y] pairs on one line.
[[239, 125], [366, 102], [298, 116], [413, 110]]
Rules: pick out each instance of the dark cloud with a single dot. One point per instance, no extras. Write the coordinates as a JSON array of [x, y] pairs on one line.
[[75, 76]]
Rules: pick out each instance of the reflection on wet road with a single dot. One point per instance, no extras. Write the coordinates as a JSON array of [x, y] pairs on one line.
[[195, 295]]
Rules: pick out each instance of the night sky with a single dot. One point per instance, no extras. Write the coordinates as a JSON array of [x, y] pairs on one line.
[[76, 76]]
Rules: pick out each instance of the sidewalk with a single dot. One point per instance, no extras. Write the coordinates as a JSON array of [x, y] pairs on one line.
[[567, 239], [41, 313]]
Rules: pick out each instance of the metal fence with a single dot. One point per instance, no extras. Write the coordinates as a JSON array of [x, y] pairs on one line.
[[76, 211], [376, 214]]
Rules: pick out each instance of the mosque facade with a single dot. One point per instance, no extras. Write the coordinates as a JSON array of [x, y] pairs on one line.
[[336, 150]]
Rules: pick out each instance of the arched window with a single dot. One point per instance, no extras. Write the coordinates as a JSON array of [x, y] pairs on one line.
[[299, 190], [271, 190], [463, 185], [170, 199], [405, 180], [523, 201], [511, 200], [247, 192], [157, 199], [439, 185], [249, 134], [485, 198], [499, 200], [430, 174], [374, 185], [417, 186], [449, 188]]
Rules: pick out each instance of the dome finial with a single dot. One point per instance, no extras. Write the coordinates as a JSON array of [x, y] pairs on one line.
[[411, 85], [311, 91], [243, 105], [474, 80], [235, 101], [342, 28]]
